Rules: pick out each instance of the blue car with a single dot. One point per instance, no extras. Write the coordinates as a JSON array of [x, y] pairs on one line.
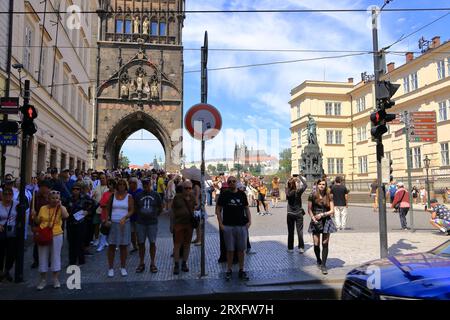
[[404, 277]]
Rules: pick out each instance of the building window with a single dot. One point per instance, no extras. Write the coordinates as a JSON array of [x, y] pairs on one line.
[[362, 134], [128, 27], [338, 137], [329, 137], [299, 137], [337, 108], [331, 166], [416, 158], [329, 108], [119, 26], [444, 154], [154, 28], [362, 163], [56, 82], [441, 69], [298, 112], [42, 75], [443, 111], [340, 166], [360, 104], [414, 82], [406, 84], [27, 52], [66, 92], [162, 29]]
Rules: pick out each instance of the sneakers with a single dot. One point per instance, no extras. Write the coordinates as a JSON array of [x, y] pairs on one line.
[[110, 273], [96, 242], [228, 275], [176, 269], [301, 250], [324, 270], [268, 213], [100, 248], [184, 267], [250, 251], [123, 272], [56, 284], [443, 230], [42, 285], [243, 275], [290, 250]]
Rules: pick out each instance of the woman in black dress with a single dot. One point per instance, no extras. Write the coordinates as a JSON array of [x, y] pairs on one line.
[[321, 211]]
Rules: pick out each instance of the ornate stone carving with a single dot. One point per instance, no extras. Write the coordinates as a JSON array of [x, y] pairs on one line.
[[146, 26], [154, 89], [137, 24]]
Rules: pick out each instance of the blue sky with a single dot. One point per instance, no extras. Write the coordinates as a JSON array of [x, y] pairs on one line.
[[255, 100]]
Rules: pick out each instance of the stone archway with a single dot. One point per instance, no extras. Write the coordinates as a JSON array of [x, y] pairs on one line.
[[119, 132]]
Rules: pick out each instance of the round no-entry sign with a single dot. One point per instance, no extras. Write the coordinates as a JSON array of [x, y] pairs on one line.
[[203, 120]]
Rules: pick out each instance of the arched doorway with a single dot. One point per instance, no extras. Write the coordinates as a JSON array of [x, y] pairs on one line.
[[142, 150], [128, 125]]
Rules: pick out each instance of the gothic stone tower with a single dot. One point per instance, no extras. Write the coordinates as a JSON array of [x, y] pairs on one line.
[[139, 77]]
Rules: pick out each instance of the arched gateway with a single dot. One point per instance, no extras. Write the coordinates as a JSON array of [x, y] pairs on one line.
[[140, 77]]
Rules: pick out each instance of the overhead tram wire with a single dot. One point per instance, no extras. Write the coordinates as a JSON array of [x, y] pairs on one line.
[[255, 11], [402, 38], [222, 68]]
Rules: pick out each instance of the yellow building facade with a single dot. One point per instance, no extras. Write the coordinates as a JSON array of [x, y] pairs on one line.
[[342, 112]]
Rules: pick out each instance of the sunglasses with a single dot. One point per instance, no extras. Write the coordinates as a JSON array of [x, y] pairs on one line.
[[187, 188]]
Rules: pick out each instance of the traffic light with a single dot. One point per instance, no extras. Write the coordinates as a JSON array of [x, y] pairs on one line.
[[29, 113], [379, 118]]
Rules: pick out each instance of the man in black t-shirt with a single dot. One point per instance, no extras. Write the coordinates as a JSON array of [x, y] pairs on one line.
[[234, 219], [340, 199]]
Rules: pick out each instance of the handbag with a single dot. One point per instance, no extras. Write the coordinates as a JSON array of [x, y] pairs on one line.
[[4, 234], [397, 205], [44, 236], [105, 226]]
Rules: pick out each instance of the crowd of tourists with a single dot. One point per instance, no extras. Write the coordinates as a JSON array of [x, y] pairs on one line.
[[118, 210]]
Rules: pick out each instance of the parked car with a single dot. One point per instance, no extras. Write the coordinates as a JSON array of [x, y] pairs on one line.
[[402, 277]]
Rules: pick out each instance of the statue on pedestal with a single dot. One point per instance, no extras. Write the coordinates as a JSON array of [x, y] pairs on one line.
[[154, 90], [146, 26], [137, 24], [312, 134]]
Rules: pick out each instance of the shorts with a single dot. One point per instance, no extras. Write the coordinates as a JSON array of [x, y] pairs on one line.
[[442, 223], [183, 233], [373, 195], [146, 232], [235, 238]]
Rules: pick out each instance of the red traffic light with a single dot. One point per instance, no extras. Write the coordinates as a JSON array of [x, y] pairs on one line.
[[29, 112]]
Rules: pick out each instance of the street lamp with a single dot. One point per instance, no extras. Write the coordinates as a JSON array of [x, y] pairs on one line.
[[427, 166]]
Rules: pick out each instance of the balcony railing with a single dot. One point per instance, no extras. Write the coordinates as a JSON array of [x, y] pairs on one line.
[[134, 38]]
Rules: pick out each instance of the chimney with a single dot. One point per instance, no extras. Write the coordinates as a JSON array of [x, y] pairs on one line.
[[390, 66], [350, 80], [409, 57], [435, 42]]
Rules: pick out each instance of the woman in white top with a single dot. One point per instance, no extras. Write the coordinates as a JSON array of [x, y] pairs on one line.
[[120, 209], [8, 214]]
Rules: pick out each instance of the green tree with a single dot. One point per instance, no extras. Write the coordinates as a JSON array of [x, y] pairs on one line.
[[286, 162], [221, 168], [124, 162], [212, 169]]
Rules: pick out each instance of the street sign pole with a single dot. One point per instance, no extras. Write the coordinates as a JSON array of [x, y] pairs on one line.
[[407, 121], [20, 223], [380, 149], [204, 99]]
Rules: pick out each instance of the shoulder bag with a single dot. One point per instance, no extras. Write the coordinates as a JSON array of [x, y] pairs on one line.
[[105, 227], [397, 205], [4, 234], [44, 236]]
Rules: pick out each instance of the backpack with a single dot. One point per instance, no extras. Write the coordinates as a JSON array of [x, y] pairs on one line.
[[392, 190]]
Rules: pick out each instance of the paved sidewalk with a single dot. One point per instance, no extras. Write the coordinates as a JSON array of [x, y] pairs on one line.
[[272, 269]]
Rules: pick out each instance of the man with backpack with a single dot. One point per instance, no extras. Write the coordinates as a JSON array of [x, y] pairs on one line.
[[392, 190], [148, 206]]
